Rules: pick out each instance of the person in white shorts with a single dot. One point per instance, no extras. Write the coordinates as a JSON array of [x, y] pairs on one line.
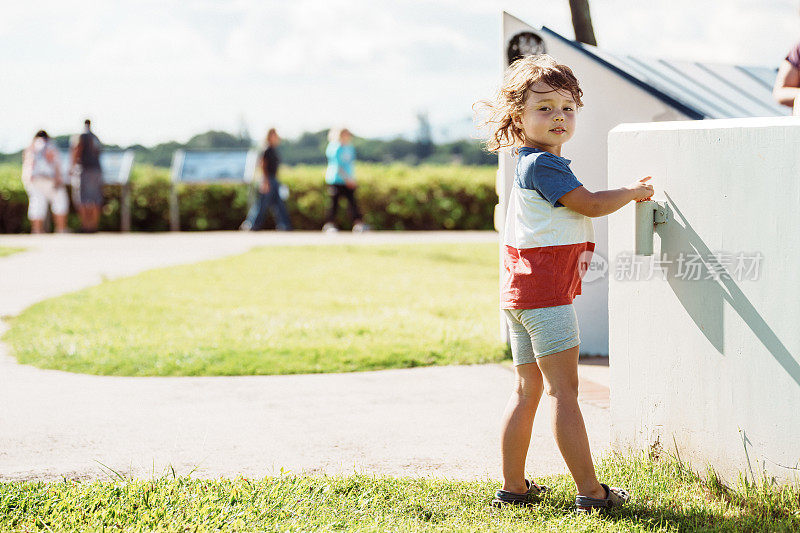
[[41, 176]]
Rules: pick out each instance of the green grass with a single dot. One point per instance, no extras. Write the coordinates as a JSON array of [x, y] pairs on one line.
[[277, 311], [665, 497], [6, 250]]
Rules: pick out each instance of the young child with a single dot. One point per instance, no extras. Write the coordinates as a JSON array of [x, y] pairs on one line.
[[548, 235]]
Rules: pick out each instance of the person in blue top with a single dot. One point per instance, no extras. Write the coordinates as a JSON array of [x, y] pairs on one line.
[[340, 178]]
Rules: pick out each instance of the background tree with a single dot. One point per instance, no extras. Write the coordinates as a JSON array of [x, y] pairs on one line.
[[309, 148]]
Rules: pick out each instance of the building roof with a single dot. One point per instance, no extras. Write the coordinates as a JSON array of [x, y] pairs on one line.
[[699, 90]]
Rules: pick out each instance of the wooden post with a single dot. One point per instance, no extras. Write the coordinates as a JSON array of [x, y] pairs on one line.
[[174, 208], [125, 208], [126, 164]]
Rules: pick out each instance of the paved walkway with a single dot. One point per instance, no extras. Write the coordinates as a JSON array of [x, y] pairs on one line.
[[439, 421]]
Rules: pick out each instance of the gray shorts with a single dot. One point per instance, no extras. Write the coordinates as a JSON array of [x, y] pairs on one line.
[[534, 333], [90, 187]]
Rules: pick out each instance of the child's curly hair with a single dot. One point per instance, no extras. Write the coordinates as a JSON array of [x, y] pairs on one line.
[[510, 99]]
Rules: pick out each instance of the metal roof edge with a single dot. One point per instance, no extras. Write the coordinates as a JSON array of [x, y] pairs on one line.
[[664, 97]]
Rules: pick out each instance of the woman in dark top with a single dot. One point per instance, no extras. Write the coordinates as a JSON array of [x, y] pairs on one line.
[[89, 193], [269, 196]]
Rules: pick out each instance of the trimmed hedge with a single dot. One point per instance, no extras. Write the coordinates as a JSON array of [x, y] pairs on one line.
[[394, 196]]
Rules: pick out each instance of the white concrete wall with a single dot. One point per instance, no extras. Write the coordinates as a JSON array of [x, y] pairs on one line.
[[608, 100], [711, 366]]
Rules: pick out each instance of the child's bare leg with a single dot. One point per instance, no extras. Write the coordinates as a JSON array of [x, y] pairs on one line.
[[560, 372], [518, 424]]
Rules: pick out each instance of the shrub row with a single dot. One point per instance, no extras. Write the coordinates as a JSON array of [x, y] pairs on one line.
[[394, 196]]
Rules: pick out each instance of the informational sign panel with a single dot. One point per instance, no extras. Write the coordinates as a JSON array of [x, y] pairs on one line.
[[196, 166], [190, 166], [116, 166]]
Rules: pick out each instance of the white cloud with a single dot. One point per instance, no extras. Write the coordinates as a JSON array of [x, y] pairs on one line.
[[752, 32], [149, 71]]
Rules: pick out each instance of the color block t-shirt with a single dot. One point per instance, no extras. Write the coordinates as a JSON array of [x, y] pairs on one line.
[[547, 246]]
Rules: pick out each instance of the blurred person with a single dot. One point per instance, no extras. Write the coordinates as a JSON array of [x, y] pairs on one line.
[[270, 189], [89, 192], [340, 179], [41, 176], [787, 82]]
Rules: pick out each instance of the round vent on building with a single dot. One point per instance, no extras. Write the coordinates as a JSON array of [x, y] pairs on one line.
[[523, 44]]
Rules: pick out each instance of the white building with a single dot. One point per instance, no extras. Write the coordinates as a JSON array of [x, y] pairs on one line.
[[627, 89]]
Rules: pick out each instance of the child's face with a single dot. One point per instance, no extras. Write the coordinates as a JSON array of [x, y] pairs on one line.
[[548, 119]]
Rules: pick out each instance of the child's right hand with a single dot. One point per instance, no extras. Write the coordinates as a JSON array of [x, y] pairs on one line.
[[642, 191]]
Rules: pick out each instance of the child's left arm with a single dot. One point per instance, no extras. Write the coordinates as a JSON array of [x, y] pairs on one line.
[[602, 203]]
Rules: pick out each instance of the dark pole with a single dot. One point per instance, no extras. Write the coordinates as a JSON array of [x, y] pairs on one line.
[[582, 22]]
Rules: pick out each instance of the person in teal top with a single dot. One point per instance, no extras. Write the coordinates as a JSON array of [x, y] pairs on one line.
[[340, 178], [341, 158]]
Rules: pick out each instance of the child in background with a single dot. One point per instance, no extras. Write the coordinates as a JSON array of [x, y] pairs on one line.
[[548, 236]]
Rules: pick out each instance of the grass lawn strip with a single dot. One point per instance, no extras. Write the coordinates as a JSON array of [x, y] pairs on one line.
[[665, 497], [7, 250], [277, 310]]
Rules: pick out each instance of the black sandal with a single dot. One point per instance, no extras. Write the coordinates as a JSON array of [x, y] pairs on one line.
[[504, 497], [615, 497]]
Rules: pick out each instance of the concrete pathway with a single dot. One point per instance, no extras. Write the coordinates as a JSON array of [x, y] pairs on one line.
[[439, 421]]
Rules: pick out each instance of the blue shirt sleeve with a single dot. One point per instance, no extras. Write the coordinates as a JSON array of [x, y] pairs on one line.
[[550, 176]]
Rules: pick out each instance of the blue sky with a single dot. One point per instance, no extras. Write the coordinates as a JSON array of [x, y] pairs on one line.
[[150, 71]]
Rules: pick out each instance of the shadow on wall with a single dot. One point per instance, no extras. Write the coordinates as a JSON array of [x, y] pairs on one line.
[[704, 299]]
